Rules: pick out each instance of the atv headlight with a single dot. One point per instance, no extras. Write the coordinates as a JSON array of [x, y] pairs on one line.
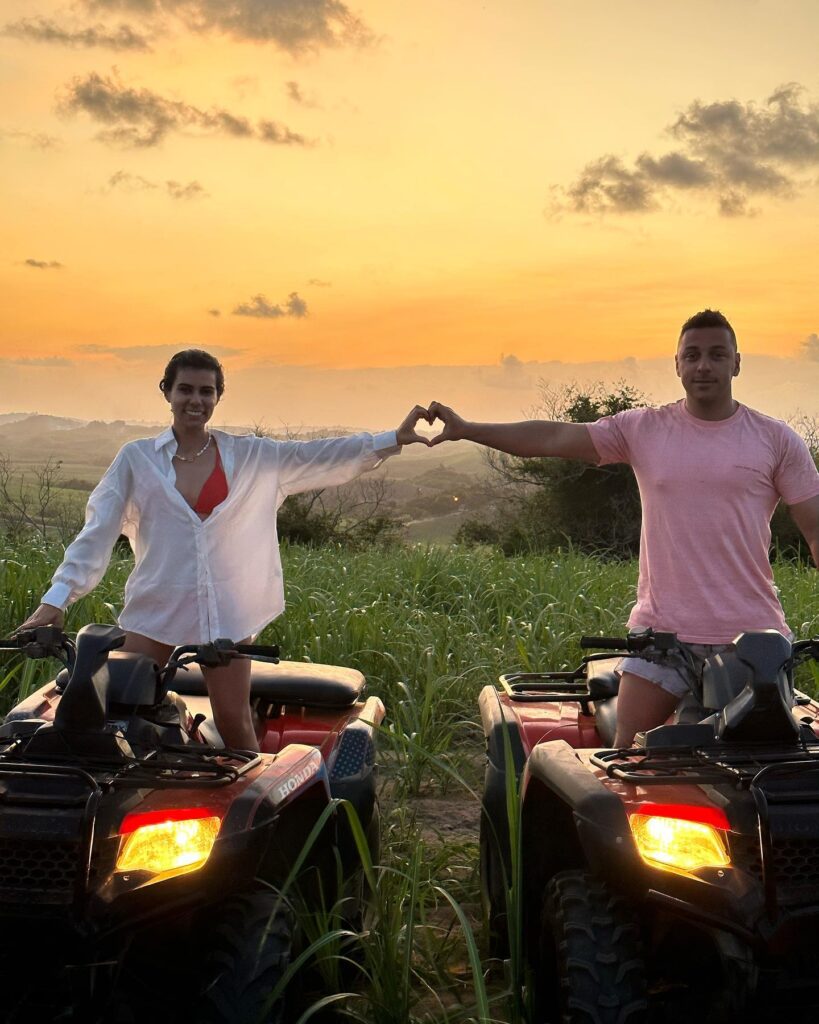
[[681, 837], [167, 843]]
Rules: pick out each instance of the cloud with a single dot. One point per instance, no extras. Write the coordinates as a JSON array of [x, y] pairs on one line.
[[136, 183], [295, 93], [214, 312], [141, 117], [193, 190], [317, 282], [42, 30], [36, 140], [728, 151], [809, 348], [43, 264], [260, 307], [297, 26], [38, 361], [139, 353]]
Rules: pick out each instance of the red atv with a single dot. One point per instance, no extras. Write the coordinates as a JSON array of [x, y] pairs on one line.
[[674, 880], [141, 863]]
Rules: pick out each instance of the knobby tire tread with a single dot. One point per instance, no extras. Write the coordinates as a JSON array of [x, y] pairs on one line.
[[592, 963], [248, 952]]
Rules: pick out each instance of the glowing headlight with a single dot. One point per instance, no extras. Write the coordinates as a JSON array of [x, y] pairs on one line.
[[681, 838], [167, 843]]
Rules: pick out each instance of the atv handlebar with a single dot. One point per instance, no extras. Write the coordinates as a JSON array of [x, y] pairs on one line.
[[41, 642], [221, 652], [635, 642]]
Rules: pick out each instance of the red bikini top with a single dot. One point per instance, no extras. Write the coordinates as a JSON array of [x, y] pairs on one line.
[[214, 490]]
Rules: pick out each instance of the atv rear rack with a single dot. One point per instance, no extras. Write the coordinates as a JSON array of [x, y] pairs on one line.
[[545, 686]]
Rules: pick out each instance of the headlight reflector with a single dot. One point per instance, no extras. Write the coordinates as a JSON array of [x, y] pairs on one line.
[[681, 838], [167, 843]]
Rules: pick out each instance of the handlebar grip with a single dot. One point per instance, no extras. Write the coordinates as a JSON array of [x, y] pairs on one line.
[[259, 650], [606, 643]]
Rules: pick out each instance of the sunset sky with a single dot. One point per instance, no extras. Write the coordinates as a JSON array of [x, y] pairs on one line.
[[307, 186]]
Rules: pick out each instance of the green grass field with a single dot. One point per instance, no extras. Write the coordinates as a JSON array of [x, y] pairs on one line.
[[429, 626]]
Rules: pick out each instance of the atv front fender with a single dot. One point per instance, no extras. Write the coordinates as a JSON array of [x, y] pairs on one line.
[[570, 819]]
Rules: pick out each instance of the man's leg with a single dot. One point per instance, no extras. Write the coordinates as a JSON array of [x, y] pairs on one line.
[[641, 705]]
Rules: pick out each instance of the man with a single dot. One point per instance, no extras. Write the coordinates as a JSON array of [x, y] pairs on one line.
[[711, 472]]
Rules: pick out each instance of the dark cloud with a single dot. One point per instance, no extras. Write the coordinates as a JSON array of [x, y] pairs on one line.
[[43, 264], [214, 312], [297, 26], [138, 353], [42, 30], [727, 150], [260, 307], [317, 282], [810, 348], [141, 117], [297, 95], [192, 190], [136, 183]]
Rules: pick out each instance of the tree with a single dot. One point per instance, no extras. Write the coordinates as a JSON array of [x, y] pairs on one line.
[[543, 503], [35, 501]]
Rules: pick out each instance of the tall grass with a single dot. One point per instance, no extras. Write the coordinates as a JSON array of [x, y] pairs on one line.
[[428, 627]]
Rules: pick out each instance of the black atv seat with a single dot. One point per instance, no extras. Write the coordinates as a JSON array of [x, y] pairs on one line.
[[289, 682], [604, 685]]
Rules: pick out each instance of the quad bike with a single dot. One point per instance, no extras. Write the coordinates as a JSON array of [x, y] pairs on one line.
[[141, 862], [675, 880]]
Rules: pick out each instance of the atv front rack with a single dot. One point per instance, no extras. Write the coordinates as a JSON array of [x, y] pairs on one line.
[[700, 765]]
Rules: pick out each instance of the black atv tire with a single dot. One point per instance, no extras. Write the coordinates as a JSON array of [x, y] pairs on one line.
[[248, 953], [591, 963], [493, 896]]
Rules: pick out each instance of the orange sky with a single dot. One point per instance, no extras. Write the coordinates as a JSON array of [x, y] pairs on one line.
[[403, 184]]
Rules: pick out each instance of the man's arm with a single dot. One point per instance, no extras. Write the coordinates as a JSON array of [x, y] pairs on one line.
[[528, 439], [806, 516]]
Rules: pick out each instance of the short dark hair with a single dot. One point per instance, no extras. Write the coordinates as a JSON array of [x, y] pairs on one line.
[[708, 318], [192, 359]]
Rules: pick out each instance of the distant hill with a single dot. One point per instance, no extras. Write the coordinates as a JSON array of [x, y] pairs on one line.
[[87, 448]]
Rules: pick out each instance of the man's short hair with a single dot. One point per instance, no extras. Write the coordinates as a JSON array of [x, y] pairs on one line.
[[708, 318]]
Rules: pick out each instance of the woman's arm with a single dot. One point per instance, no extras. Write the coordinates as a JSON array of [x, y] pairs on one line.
[[87, 556]]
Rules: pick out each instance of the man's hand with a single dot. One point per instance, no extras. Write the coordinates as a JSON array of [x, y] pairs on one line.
[[406, 433], [455, 428], [46, 615]]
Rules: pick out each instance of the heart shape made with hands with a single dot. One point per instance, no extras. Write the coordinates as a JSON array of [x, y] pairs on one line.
[[409, 431]]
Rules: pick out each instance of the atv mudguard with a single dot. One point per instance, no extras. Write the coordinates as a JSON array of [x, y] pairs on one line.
[[570, 819]]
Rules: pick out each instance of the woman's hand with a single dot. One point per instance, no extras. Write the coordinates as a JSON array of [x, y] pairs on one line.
[[406, 433], [46, 615]]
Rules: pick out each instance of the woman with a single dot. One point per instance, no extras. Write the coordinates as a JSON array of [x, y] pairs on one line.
[[199, 508]]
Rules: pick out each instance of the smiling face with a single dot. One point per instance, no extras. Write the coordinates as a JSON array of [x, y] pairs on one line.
[[707, 362], [192, 399]]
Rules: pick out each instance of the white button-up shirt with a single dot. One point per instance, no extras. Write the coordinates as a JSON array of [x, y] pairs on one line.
[[195, 580]]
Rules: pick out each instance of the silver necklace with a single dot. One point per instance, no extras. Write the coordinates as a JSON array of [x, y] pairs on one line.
[[193, 458]]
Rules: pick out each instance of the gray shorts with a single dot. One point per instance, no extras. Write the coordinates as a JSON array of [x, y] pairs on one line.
[[668, 676]]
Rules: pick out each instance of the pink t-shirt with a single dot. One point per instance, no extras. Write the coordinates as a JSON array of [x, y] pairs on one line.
[[708, 490]]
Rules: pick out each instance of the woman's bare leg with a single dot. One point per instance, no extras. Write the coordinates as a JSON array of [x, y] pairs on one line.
[[229, 692], [136, 643], [641, 705]]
